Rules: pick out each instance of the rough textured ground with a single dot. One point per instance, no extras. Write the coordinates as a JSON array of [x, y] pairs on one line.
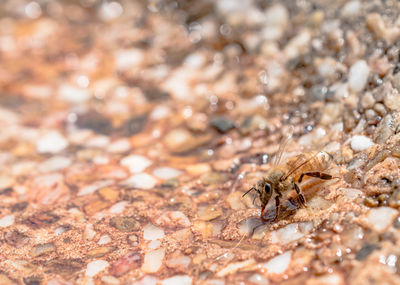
[[130, 131]]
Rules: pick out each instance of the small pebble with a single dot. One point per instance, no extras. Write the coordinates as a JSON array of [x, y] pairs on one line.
[[42, 249], [55, 163], [153, 260], [166, 172], [136, 163], [52, 142], [151, 232], [125, 224], [119, 146], [141, 181], [278, 264], [104, 240], [351, 9], [177, 279], [360, 143], [95, 267], [381, 218], [7, 221], [222, 124], [358, 75], [73, 94]]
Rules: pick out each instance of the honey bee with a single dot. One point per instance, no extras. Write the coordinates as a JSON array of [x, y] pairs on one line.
[[287, 176]]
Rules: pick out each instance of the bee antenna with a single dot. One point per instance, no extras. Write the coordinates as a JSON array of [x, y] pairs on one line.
[[252, 188]]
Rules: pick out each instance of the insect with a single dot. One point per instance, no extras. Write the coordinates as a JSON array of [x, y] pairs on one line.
[[287, 176]]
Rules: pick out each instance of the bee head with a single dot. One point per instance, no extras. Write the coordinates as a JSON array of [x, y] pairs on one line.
[[264, 190]]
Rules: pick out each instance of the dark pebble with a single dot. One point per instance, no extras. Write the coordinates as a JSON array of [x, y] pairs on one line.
[[366, 250], [32, 280], [94, 121], [396, 222], [64, 267], [41, 219], [133, 126], [16, 238], [155, 94], [222, 124], [125, 224], [19, 206], [317, 93]]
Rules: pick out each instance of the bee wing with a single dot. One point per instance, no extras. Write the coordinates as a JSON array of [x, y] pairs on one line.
[[282, 147], [303, 159]]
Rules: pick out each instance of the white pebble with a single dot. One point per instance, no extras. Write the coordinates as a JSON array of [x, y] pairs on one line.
[[7, 221], [55, 163], [95, 267], [104, 240], [118, 208], [351, 9], [127, 59], [360, 143], [151, 232], [278, 264], [119, 146], [160, 112], [358, 75], [89, 232], [51, 142], [141, 180], [136, 163], [258, 279], [178, 279], [154, 244], [98, 141], [380, 218], [166, 172], [73, 94], [153, 260], [94, 187], [292, 232]]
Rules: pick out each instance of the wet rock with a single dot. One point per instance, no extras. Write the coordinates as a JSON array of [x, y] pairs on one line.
[[180, 141], [278, 264], [366, 250], [251, 124], [95, 207], [64, 267], [42, 249], [32, 280], [317, 93], [208, 213], [129, 261], [222, 124], [94, 121], [155, 94], [125, 224], [100, 251], [213, 178], [133, 126], [16, 238]]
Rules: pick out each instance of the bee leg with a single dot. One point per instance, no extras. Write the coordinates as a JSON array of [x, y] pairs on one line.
[[277, 205], [316, 174], [301, 197], [262, 213]]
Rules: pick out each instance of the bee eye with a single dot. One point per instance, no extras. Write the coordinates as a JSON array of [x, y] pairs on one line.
[[267, 188]]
